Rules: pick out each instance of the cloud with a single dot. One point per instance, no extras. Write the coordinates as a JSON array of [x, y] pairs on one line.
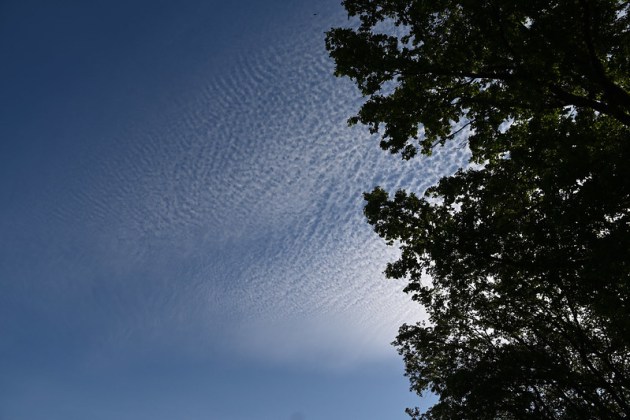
[[235, 214]]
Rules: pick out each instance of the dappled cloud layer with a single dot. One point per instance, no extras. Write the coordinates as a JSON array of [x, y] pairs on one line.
[[231, 217]]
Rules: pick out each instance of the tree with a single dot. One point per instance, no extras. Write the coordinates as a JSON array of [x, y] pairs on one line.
[[527, 252]]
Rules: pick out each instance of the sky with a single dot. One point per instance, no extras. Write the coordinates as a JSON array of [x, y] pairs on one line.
[[181, 228]]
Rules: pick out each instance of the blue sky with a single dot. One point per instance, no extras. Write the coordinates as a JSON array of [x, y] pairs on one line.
[[181, 234]]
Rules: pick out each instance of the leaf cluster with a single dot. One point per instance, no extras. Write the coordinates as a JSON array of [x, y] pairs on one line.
[[529, 298], [522, 261], [483, 62]]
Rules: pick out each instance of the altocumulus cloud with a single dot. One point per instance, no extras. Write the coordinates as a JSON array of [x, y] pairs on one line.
[[231, 219]]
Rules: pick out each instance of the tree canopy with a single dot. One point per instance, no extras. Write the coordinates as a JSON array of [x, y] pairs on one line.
[[521, 261]]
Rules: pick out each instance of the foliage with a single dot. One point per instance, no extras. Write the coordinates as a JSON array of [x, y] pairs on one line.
[[485, 61], [528, 251]]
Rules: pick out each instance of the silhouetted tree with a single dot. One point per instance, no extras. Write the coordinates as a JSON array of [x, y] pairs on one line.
[[523, 260]]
